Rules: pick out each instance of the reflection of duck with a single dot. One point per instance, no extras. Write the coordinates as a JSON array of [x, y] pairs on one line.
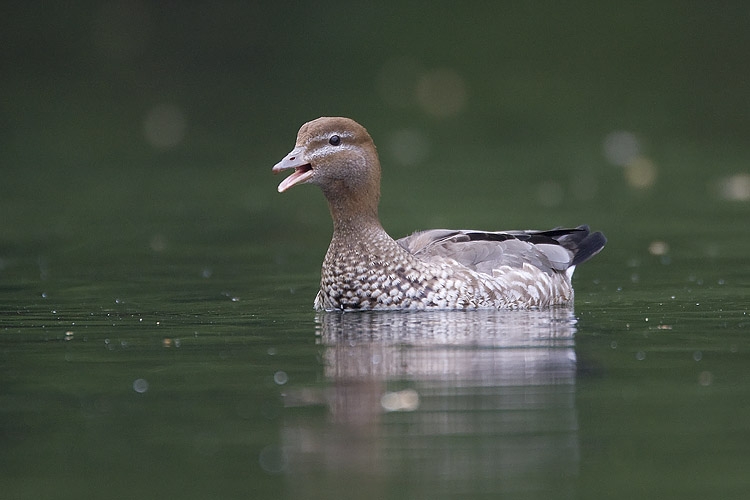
[[438, 269], [499, 347], [444, 403]]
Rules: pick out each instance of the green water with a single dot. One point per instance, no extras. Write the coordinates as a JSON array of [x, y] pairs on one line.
[[157, 337], [172, 382]]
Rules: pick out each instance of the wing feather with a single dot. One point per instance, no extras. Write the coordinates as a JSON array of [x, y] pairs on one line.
[[552, 251]]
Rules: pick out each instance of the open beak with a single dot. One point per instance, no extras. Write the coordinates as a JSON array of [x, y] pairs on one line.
[[302, 170]]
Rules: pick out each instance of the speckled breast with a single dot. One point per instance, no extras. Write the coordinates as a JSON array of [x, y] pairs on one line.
[[446, 285]]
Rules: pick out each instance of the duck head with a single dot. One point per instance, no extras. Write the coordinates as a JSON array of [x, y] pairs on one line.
[[338, 155]]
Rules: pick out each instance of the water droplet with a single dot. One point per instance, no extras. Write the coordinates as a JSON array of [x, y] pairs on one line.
[[280, 377], [658, 248], [640, 355], [140, 385]]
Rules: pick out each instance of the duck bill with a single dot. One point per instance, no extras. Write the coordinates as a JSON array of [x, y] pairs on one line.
[[302, 170]]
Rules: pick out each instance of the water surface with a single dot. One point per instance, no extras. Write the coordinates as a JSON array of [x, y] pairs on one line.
[[201, 382]]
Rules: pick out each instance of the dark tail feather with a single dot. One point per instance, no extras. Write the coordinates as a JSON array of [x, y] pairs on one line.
[[583, 243]]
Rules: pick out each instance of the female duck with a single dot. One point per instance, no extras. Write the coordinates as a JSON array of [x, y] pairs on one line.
[[365, 268]]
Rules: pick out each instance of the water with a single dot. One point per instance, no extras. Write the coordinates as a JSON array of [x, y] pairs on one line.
[[157, 337], [171, 374]]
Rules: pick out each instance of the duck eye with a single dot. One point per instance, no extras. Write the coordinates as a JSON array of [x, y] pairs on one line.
[[334, 140]]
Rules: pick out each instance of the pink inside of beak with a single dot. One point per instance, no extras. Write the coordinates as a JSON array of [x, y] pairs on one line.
[[301, 174]]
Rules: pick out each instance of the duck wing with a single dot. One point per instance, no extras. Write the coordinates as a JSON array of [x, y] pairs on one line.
[[552, 251]]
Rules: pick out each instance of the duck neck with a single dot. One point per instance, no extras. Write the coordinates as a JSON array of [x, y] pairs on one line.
[[353, 212], [348, 223]]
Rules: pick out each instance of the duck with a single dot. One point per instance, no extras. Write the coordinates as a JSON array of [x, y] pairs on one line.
[[366, 269]]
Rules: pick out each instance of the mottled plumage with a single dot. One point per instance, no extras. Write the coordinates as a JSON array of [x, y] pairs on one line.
[[365, 268]]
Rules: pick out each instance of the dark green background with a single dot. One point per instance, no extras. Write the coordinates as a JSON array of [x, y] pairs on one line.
[[126, 245], [545, 82]]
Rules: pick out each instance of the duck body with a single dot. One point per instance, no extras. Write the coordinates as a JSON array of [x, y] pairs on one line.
[[365, 268]]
